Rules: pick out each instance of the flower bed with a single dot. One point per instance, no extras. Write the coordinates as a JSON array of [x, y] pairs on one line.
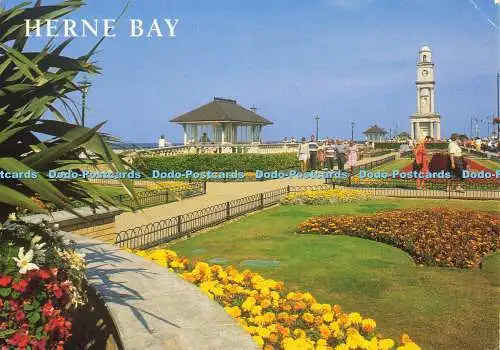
[[169, 185], [325, 197], [41, 281], [274, 318], [442, 237]]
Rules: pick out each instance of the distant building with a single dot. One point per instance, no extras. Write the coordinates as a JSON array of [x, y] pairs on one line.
[[222, 121], [402, 137], [375, 134], [425, 122]]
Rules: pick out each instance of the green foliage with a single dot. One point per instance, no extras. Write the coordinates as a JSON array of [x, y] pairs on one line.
[[220, 162], [34, 133]]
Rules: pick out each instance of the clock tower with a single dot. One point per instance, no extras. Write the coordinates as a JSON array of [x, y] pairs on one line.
[[425, 122]]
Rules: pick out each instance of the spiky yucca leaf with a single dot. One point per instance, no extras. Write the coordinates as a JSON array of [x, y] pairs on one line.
[[35, 135]]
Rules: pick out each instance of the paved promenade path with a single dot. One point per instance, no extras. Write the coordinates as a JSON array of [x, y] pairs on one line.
[[216, 193]]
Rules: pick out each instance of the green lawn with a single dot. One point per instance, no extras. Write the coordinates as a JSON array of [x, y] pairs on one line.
[[396, 164], [116, 190], [441, 308], [490, 164]]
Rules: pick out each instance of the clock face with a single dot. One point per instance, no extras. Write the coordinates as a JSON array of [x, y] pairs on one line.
[[425, 73]]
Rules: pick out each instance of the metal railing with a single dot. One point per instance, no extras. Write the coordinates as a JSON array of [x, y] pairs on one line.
[[156, 197], [166, 230], [432, 188]]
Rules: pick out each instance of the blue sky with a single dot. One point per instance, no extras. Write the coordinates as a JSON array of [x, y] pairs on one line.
[[344, 60]]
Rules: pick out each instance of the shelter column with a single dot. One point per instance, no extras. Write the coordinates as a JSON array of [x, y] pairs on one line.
[[432, 129], [438, 130], [223, 133], [184, 126]]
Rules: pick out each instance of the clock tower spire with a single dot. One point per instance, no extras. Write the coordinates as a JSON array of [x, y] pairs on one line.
[[425, 122]]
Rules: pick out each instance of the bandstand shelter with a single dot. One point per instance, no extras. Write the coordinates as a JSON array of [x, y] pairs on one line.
[[375, 134], [222, 121]]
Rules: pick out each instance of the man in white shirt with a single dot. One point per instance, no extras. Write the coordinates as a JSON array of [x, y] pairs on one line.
[[161, 142], [456, 160]]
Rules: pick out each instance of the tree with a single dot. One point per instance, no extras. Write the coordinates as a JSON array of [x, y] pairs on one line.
[[35, 135]]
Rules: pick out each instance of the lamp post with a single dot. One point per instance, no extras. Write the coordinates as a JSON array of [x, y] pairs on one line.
[[498, 106], [317, 127], [352, 131], [84, 88]]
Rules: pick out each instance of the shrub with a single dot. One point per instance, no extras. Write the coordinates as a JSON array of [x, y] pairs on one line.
[[443, 237], [41, 281], [220, 162], [325, 197], [276, 319]]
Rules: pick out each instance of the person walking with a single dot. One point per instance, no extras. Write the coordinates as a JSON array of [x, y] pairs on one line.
[[321, 155], [341, 151], [352, 157], [162, 142], [330, 154], [303, 154], [456, 161], [421, 164], [313, 152]]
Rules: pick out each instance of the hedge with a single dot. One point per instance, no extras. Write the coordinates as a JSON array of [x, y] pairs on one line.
[[219, 162]]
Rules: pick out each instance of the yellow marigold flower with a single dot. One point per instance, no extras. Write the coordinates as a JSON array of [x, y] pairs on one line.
[[248, 303], [405, 338], [273, 338], [275, 295], [328, 317], [342, 347], [299, 333], [233, 311], [290, 296], [308, 317], [269, 317], [258, 339], [326, 308], [355, 317], [324, 331], [238, 278], [316, 308], [265, 291], [386, 344], [265, 303], [256, 310], [263, 332], [259, 320], [368, 325]]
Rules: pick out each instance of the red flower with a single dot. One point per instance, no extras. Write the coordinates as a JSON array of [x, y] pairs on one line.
[[1, 303], [39, 344], [20, 339], [44, 274], [53, 271], [5, 281], [48, 309], [20, 315], [13, 305], [54, 288], [20, 286]]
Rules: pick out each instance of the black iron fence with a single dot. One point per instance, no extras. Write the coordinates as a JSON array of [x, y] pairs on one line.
[[147, 236], [157, 197], [485, 189], [371, 165]]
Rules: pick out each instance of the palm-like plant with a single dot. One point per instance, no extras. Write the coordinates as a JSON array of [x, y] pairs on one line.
[[35, 135]]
